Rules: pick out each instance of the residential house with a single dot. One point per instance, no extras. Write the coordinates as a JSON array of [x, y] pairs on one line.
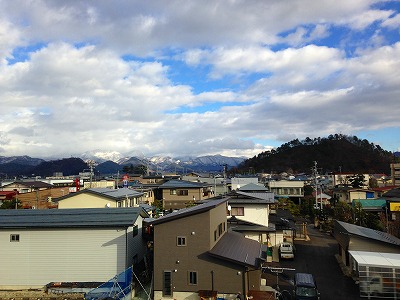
[[250, 214], [392, 198], [293, 189], [341, 178], [237, 182], [254, 208], [321, 199], [351, 237], [348, 194], [218, 183], [253, 188], [196, 256], [395, 173], [100, 197], [75, 245], [178, 194]]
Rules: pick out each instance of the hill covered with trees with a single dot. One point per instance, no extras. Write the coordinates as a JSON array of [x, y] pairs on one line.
[[336, 153]]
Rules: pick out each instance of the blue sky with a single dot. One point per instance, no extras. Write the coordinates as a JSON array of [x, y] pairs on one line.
[[191, 78]]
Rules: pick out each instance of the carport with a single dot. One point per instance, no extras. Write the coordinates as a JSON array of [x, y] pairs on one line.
[[378, 274]]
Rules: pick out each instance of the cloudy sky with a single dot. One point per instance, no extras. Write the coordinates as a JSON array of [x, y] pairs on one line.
[[182, 77]]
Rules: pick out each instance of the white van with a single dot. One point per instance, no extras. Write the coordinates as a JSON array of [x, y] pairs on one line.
[[286, 250]]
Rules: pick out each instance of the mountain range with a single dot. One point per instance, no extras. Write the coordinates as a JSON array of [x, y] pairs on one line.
[[107, 163]]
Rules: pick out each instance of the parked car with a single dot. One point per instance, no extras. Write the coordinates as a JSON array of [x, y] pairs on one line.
[[305, 287], [286, 250]]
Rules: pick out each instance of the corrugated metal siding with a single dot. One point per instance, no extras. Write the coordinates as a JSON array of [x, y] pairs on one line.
[[44, 256]]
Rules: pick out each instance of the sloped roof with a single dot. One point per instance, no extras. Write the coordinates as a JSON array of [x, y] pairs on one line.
[[368, 233], [70, 218], [371, 204], [240, 225], [114, 194], [283, 219], [394, 193], [32, 184], [193, 210], [174, 184], [252, 187], [243, 197], [236, 248]]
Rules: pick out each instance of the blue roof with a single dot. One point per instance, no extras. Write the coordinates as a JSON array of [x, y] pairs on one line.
[[70, 218]]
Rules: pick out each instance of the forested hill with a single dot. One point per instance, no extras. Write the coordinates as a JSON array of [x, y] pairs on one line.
[[332, 154]]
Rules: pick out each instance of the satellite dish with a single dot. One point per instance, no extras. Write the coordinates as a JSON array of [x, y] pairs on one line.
[[108, 205]]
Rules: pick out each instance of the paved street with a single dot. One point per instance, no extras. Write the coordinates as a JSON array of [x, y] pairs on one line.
[[317, 256]]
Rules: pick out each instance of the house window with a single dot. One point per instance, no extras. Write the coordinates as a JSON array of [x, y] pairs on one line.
[[183, 192], [14, 237], [167, 283], [119, 203], [192, 277], [181, 241], [135, 231], [172, 192], [220, 229], [215, 235], [237, 211]]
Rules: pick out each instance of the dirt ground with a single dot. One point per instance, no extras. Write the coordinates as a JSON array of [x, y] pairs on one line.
[[37, 295]]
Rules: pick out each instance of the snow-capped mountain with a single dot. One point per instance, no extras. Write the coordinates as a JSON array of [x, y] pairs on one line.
[[21, 160], [101, 156], [161, 162]]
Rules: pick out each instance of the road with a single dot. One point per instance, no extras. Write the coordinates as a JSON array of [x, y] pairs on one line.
[[317, 256]]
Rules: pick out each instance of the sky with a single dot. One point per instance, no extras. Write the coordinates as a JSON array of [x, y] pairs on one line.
[[192, 78]]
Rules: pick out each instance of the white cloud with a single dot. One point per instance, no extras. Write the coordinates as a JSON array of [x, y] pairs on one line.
[[197, 78]]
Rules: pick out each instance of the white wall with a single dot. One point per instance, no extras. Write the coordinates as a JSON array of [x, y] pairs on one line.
[[63, 255]]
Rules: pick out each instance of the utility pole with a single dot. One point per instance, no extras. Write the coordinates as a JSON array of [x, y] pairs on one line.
[[315, 174]]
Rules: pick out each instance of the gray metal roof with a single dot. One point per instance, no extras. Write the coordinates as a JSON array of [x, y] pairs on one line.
[[185, 212], [241, 226], [252, 187], [248, 198], [175, 184], [369, 233], [236, 248], [114, 194], [70, 218]]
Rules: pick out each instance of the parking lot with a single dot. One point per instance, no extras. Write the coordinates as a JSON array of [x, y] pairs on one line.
[[317, 256]]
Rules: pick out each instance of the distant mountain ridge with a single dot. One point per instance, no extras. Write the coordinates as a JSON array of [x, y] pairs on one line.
[[106, 163]]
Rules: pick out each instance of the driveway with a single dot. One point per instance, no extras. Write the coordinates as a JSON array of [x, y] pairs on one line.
[[317, 256]]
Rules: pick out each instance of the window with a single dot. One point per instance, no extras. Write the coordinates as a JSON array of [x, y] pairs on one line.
[[181, 241], [192, 277], [237, 211], [183, 192], [172, 192], [14, 237], [135, 230], [119, 204], [215, 235], [220, 229], [167, 283]]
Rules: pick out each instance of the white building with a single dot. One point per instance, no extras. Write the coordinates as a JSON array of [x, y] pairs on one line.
[[38, 247]]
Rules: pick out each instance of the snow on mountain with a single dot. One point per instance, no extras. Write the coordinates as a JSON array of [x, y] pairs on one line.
[[101, 156], [22, 160]]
